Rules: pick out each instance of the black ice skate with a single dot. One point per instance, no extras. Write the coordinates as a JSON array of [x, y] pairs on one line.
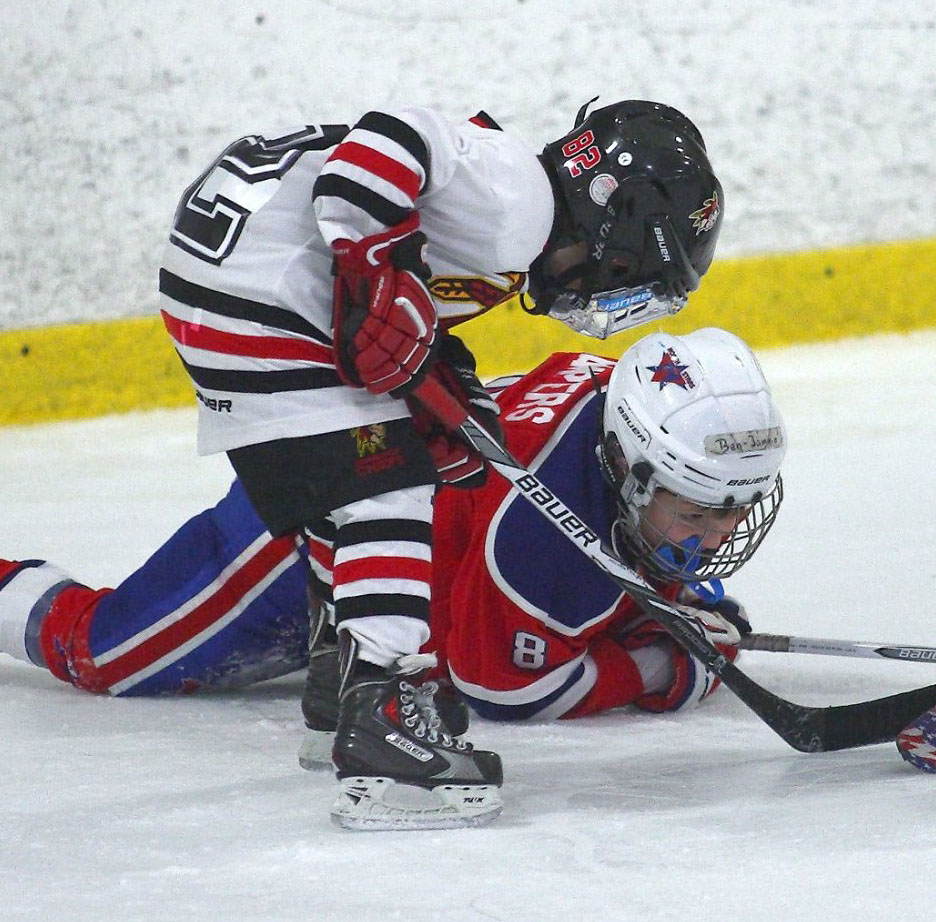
[[320, 697], [399, 765], [320, 707]]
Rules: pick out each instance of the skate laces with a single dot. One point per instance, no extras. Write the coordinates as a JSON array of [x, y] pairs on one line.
[[420, 715], [413, 663]]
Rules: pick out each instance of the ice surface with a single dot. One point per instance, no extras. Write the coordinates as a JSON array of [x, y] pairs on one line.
[[195, 808]]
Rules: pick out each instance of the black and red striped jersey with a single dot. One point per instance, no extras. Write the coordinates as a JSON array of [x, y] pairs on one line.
[[246, 285]]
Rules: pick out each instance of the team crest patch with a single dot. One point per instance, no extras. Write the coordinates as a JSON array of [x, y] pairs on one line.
[[374, 454], [601, 187], [670, 371], [705, 217], [483, 291], [370, 439]]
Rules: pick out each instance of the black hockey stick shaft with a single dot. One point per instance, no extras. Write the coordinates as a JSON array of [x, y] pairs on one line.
[[788, 643], [807, 729]]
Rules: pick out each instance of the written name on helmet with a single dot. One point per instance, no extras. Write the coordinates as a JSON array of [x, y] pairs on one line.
[[556, 510], [741, 443]]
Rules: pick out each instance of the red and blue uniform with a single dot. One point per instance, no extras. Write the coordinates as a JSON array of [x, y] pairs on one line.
[[529, 628]]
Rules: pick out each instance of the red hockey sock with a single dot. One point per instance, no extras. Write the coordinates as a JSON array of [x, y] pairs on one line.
[[63, 637]]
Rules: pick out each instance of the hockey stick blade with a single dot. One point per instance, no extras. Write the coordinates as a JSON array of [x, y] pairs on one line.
[[916, 743], [785, 643], [807, 729]]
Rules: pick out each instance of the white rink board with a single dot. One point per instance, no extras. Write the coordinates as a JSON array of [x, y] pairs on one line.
[[818, 114]]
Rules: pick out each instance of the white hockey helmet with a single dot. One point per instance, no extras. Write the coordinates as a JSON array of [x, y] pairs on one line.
[[692, 415]]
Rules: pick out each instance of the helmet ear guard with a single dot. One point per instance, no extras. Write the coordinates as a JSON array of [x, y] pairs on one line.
[[631, 484]]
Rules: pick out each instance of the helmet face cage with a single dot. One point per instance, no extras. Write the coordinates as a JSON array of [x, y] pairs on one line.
[[648, 543], [642, 534], [602, 314]]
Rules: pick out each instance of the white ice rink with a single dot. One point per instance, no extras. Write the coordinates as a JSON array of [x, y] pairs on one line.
[[196, 809]]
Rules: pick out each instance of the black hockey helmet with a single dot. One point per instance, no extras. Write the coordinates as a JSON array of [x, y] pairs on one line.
[[634, 185]]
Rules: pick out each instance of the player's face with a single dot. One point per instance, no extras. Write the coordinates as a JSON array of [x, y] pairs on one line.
[[672, 519], [559, 262]]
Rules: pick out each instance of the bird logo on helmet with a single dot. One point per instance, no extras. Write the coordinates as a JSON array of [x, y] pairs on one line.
[[713, 448], [639, 211], [706, 217]]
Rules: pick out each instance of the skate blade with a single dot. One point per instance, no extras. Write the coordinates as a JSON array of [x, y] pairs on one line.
[[365, 804], [315, 753]]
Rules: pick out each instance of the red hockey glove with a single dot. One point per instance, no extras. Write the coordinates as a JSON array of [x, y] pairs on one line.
[[458, 463], [383, 316], [722, 624]]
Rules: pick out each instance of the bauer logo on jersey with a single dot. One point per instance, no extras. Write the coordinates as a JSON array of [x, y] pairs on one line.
[[213, 403], [705, 218], [740, 443], [671, 371]]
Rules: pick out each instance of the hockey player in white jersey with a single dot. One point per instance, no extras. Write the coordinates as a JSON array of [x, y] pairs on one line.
[[308, 285]]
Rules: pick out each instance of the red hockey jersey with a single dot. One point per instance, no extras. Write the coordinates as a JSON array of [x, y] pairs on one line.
[[535, 632]]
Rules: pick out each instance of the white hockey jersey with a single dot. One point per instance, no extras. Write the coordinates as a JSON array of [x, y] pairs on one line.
[[246, 285]]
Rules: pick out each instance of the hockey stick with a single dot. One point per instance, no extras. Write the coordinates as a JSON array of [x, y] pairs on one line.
[[785, 643], [807, 729]]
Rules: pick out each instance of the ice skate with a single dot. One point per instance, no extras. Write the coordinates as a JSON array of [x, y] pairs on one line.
[[320, 707], [320, 701], [399, 765]]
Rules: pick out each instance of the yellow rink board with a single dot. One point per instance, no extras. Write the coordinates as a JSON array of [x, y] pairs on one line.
[[80, 370]]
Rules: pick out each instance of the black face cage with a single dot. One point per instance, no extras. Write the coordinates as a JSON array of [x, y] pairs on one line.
[[676, 564]]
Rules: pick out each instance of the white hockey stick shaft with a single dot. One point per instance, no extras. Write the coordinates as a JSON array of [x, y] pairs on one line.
[[786, 643]]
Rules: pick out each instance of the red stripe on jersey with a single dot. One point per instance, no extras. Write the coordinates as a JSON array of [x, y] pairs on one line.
[[322, 553], [216, 606], [198, 336], [382, 166], [382, 568]]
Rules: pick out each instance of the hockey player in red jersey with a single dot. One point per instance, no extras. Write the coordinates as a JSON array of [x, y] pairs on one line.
[[308, 285], [686, 482]]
